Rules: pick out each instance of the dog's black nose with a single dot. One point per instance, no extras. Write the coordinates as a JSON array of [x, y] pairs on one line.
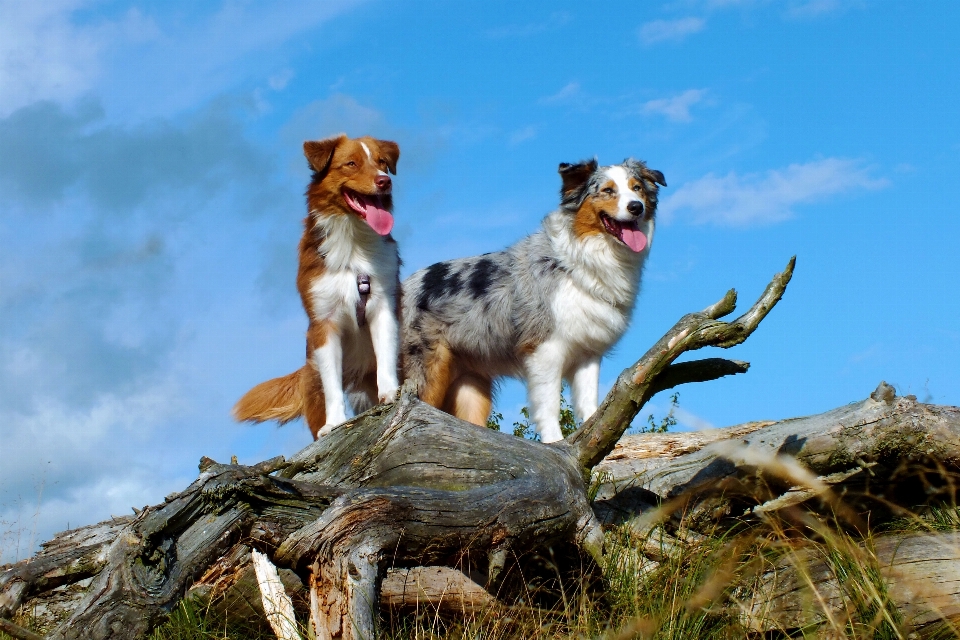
[[383, 182], [635, 207]]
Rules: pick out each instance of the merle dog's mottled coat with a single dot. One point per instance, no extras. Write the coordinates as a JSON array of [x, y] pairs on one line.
[[544, 309]]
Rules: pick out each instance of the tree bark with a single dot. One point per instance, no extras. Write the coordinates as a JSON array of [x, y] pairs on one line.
[[406, 485], [877, 441], [920, 571]]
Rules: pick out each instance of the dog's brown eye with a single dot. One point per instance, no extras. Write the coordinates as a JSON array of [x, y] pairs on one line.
[[351, 164]]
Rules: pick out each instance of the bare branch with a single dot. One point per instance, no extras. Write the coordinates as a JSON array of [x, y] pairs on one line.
[[697, 371], [653, 372], [18, 632]]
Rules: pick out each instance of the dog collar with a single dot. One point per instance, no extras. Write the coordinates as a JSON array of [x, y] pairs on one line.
[[363, 288]]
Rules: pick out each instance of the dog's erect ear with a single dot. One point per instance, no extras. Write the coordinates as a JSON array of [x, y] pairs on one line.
[[574, 178], [657, 177], [320, 152], [391, 153]]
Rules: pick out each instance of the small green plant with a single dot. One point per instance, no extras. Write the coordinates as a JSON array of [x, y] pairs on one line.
[[668, 420], [568, 420], [525, 428], [872, 611], [933, 518], [194, 620]]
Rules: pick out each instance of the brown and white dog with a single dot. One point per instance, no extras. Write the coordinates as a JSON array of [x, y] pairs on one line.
[[349, 284]]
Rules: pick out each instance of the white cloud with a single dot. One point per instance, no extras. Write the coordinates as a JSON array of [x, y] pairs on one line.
[[148, 62], [568, 92], [678, 29], [75, 437], [801, 9], [870, 353], [27, 522], [333, 115], [127, 255], [521, 135], [691, 420], [719, 4], [206, 53], [754, 199], [42, 55], [686, 420], [279, 80], [676, 108], [666, 30], [64, 465]]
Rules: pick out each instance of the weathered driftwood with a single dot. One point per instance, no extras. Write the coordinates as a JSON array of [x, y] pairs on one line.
[[869, 460], [920, 573], [433, 588], [878, 441], [405, 485], [873, 438]]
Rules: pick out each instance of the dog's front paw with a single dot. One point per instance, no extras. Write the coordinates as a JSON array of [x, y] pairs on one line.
[[390, 395], [325, 430], [551, 433]]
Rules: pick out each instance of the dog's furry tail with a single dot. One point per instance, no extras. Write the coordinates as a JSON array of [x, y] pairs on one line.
[[279, 399]]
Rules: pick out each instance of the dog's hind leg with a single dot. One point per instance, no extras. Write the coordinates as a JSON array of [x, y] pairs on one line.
[[438, 364], [585, 387], [314, 402], [470, 398]]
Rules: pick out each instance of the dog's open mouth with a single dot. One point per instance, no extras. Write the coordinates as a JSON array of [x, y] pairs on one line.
[[371, 209], [627, 232]]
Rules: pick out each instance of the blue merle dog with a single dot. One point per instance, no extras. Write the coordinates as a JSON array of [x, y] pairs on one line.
[[544, 310]]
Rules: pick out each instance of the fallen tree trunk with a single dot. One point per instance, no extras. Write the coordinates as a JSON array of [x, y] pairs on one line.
[[878, 465], [880, 440], [405, 485], [403, 482], [919, 573]]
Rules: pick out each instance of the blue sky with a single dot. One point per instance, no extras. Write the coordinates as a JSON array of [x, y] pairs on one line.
[[151, 184]]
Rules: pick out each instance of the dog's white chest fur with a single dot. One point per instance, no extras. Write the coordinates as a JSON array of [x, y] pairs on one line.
[[585, 323], [595, 300], [350, 250]]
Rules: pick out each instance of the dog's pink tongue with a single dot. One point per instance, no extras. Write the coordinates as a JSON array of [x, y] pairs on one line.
[[377, 217], [634, 239]]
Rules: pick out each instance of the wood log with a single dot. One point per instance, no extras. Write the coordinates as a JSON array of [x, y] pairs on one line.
[[440, 588], [305, 517], [920, 573], [873, 444], [403, 485]]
